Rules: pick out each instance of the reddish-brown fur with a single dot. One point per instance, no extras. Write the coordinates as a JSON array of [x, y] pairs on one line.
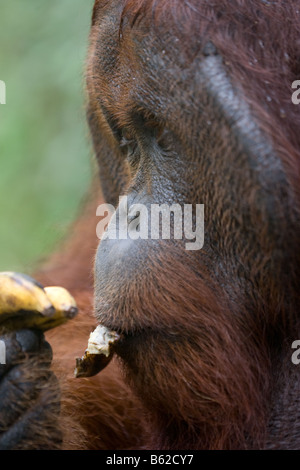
[[213, 368], [234, 387]]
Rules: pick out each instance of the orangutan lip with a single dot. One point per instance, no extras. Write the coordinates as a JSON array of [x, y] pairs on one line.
[[128, 337], [119, 330], [134, 332], [122, 334], [125, 337]]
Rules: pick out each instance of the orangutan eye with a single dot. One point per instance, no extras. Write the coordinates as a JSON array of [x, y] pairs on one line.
[[130, 146]]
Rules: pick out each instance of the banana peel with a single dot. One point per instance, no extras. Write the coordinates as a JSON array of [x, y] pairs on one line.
[[26, 304]]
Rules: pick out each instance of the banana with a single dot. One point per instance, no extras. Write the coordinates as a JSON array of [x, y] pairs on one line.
[[98, 354], [64, 304], [24, 303], [20, 292]]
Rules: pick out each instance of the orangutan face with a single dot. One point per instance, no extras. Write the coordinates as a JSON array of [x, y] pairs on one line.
[[172, 124]]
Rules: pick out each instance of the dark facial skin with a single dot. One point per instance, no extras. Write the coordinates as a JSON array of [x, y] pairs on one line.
[[171, 128]]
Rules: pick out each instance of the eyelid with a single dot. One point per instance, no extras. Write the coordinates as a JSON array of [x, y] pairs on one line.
[[125, 142], [130, 147]]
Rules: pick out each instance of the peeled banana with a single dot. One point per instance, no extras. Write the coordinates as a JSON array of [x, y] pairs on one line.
[[99, 352], [24, 303]]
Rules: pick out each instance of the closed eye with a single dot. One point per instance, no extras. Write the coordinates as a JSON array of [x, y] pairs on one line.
[[131, 150], [128, 144]]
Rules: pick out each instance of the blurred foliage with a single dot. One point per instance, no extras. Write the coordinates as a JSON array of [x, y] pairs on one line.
[[45, 153]]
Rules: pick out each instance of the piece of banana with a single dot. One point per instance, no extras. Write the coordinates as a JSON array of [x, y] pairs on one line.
[[24, 303], [98, 354]]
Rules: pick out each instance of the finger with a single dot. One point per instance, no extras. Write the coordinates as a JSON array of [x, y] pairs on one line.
[[35, 427], [22, 344], [20, 389]]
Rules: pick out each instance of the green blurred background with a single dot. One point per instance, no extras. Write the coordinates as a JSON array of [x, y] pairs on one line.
[[45, 152]]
